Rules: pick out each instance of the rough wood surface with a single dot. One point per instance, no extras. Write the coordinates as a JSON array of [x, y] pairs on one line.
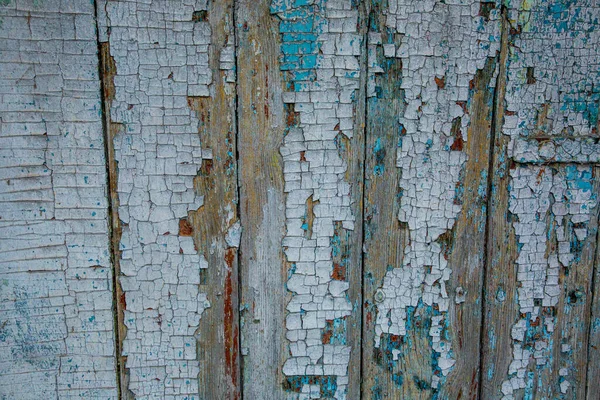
[[216, 227], [499, 298], [384, 236], [169, 85], [593, 354], [263, 268], [423, 275], [543, 234], [299, 199], [321, 59]]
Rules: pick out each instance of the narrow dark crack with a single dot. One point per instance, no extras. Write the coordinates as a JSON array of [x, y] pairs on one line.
[[495, 132], [238, 185], [110, 221]]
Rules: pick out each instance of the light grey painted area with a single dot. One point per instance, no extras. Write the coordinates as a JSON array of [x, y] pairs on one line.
[[161, 59], [56, 314], [299, 199]]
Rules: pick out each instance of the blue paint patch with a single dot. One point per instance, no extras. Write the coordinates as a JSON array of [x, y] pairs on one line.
[[327, 384], [379, 154]]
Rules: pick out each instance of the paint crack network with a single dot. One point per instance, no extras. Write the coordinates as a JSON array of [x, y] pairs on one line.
[[161, 53], [442, 46], [551, 117], [56, 318], [320, 61]]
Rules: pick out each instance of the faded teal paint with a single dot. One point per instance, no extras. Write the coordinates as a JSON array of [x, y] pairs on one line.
[[490, 372], [379, 154], [492, 338], [328, 384]]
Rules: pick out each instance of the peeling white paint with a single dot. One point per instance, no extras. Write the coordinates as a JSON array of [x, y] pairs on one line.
[[552, 87], [442, 46], [56, 318], [314, 171], [161, 50], [544, 200], [552, 116]]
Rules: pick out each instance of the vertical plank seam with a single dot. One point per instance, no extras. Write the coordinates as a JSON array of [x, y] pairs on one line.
[[495, 131], [365, 80], [235, 6], [110, 215], [594, 299], [366, 69]]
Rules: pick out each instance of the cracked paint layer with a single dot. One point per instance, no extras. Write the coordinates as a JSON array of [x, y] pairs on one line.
[[441, 46], [552, 91], [551, 116], [160, 50], [552, 206], [56, 323], [319, 58]]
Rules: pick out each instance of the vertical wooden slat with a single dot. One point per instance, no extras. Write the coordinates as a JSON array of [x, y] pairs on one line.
[[215, 224], [263, 269], [384, 236], [56, 277], [170, 109], [406, 365], [308, 228], [542, 240], [593, 351], [499, 298]]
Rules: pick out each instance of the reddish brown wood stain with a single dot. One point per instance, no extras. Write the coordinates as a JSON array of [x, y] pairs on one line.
[[230, 326], [185, 228]]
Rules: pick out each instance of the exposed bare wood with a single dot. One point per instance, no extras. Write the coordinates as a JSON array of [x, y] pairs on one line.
[[542, 240], [219, 332], [263, 269]]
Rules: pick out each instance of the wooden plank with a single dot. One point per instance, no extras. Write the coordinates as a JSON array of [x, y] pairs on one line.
[[385, 237], [56, 301], [423, 274], [263, 268], [314, 67], [543, 236], [593, 352], [170, 78], [216, 226]]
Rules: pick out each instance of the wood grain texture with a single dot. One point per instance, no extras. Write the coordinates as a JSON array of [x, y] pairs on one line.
[[173, 187], [263, 269], [499, 296], [404, 366], [335, 199], [321, 59], [593, 351], [219, 331], [466, 245], [351, 241], [384, 236], [537, 297]]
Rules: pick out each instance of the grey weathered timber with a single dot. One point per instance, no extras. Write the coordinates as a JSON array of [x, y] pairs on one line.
[[169, 89], [263, 267], [56, 309], [384, 236], [593, 350], [542, 242], [313, 86], [216, 225], [299, 199], [423, 273]]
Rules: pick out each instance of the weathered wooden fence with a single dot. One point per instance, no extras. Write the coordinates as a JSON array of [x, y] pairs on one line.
[[299, 199]]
